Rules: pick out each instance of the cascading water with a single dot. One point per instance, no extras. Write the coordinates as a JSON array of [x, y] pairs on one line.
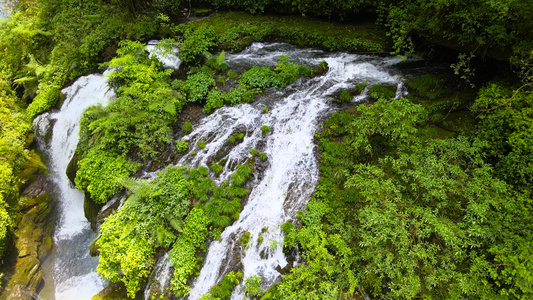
[[284, 186], [292, 173], [74, 272]]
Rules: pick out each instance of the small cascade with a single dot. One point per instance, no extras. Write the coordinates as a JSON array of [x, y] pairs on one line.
[[291, 173], [74, 272], [159, 279], [170, 60]]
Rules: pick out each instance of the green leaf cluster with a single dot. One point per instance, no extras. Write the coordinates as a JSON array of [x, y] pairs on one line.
[[416, 217]]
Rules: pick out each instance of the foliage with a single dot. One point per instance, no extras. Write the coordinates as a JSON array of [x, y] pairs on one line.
[[196, 43], [200, 144], [183, 253], [245, 238], [265, 129], [218, 63], [224, 289], [149, 218], [253, 286], [415, 218], [13, 154], [345, 96], [100, 173], [378, 91], [216, 168], [263, 156], [197, 85], [187, 127], [182, 146], [142, 115]]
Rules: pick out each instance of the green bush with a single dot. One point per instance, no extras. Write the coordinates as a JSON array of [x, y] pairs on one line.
[[100, 173], [187, 127], [225, 288], [378, 91], [345, 96], [265, 129], [197, 43], [258, 77], [200, 144], [245, 239], [216, 168], [263, 156], [182, 146], [197, 86]]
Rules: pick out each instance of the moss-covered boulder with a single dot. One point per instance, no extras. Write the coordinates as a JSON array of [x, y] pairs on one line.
[[26, 279], [114, 291]]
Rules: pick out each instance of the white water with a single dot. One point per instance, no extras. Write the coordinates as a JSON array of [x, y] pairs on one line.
[[276, 195], [292, 171], [74, 272]]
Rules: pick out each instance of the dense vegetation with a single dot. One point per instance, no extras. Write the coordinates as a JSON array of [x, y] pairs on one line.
[[404, 209]]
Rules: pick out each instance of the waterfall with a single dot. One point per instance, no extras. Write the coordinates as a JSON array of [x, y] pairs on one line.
[[281, 187], [291, 173], [74, 272]]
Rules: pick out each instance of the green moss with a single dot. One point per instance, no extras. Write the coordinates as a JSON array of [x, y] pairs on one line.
[[426, 86], [298, 30], [200, 144], [378, 91], [345, 96]]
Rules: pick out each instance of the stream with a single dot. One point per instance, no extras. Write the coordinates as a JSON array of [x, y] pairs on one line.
[[283, 187]]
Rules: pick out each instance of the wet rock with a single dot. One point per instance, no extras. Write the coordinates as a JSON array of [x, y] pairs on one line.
[[114, 291], [19, 292], [72, 167], [94, 248], [35, 226], [91, 209], [26, 279], [109, 208]]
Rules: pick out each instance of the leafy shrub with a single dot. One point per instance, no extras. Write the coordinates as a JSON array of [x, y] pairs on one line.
[[183, 253], [263, 156], [254, 152], [187, 127], [225, 288], [253, 286], [197, 43], [265, 129], [197, 86], [101, 172], [245, 239], [215, 100], [378, 91], [182, 146], [426, 86], [345, 96], [218, 63], [200, 144], [216, 168], [287, 73], [258, 77], [265, 110]]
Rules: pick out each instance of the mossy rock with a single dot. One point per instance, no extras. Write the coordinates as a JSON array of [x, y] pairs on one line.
[[28, 274], [32, 168], [427, 86], [72, 167], [94, 248], [91, 210], [201, 12], [114, 291]]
